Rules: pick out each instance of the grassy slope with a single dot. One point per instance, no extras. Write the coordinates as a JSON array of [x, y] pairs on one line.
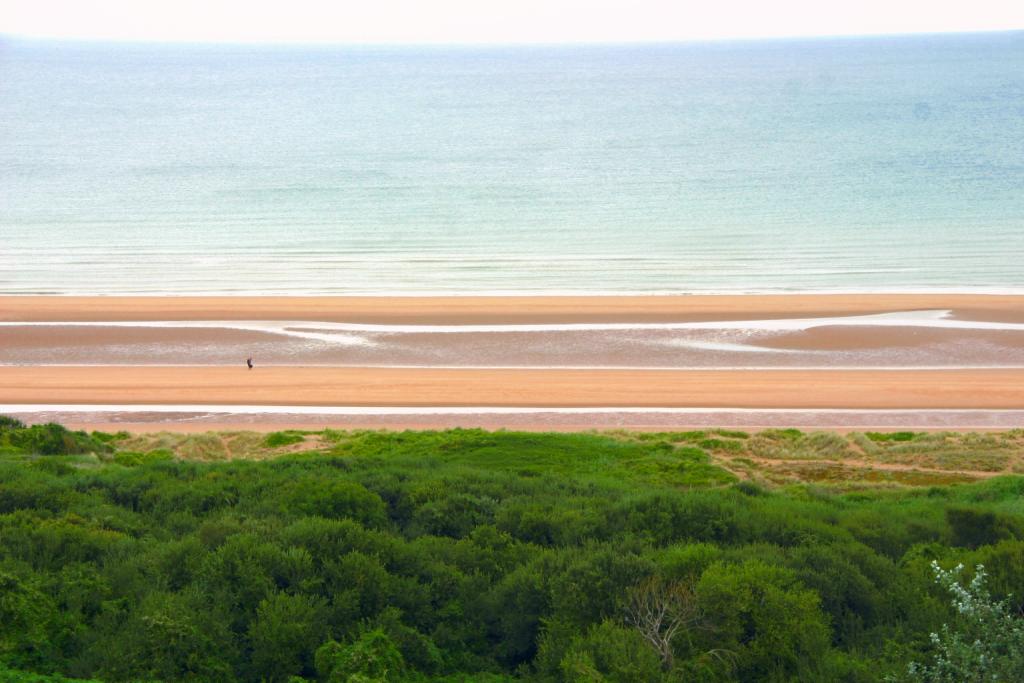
[[770, 457]]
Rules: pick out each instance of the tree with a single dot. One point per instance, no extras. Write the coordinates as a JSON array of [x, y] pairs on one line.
[[765, 619], [171, 636], [285, 634], [372, 657], [610, 652], [659, 610], [987, 646], [27, 620]]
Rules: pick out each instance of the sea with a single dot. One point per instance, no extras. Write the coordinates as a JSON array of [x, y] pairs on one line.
[[853, 164]]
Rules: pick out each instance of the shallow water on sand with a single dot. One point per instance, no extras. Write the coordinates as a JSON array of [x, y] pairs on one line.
[[917, 339]]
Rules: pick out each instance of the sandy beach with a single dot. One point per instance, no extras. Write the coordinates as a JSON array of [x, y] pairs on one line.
[[946, 352], [522, 387], [501, 310]]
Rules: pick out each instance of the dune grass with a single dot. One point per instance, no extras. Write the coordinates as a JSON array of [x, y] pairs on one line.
[[686, 458]]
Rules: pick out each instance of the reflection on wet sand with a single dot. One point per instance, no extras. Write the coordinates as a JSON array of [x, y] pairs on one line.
[[928, 339]]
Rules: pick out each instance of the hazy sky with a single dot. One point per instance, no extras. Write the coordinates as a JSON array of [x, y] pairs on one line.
[[494, 21]]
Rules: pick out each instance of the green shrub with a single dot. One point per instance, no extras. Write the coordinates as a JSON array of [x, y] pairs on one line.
[[52, 439], [134, 459], [9, 423], [286, 438], [470, 556], [731, 434], [13, 676], [373, 656], [105, 437], [974, 527], [749, 488], [891, 436], [721, 445], [987, 642]]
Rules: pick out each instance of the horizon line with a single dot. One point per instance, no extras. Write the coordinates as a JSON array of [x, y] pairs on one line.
[[100, 40]]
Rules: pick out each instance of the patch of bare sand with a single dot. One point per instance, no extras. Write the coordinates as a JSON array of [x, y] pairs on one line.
[[334, 386]]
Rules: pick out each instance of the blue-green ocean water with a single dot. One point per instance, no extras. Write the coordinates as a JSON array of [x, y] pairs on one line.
[[838, 164]]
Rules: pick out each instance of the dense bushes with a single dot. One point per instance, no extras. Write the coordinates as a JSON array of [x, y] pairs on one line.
[[467, 555], [45, 439]]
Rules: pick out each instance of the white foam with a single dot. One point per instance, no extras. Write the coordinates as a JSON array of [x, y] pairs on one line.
[[729, 347], [334, 332], [192, 289], [313, 331]]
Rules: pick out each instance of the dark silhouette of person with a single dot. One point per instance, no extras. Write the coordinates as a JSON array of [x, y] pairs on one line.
[[248, 361]]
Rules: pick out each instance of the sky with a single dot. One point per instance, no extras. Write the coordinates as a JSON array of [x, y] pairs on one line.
[[494, 21]]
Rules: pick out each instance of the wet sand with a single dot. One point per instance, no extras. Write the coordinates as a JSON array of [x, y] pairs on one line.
[[798, 332], [848, 338], [462, 310], [830, 347]]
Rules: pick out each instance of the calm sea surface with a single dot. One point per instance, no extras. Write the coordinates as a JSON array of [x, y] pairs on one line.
[[853, 164]]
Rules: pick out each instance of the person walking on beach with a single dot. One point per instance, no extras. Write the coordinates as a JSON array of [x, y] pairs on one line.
[[248, 361]]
